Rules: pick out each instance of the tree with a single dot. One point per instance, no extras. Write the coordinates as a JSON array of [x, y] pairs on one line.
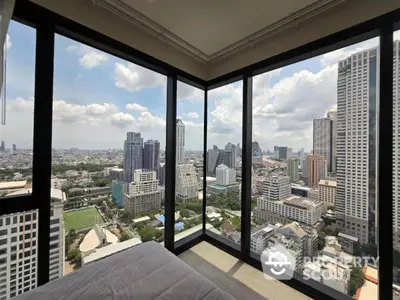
[[321, 240], [331, 230], [74, 254], [357, 280], [124, 236], [184, 213], [72, 233]]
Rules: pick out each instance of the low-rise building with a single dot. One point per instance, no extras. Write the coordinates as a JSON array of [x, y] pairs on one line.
[[216, 189], [327, 271], [349, 243], [259, 238], [293, 208]]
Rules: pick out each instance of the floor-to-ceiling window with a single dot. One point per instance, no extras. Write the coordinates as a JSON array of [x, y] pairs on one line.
[[108, 156], [189, 161], [314, 167], [224, 161]]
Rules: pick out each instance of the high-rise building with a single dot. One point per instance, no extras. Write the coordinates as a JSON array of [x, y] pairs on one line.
[[3, 146], [180, 142], [161, 173], [14, 147], [316, 169], [356, 144], [231, 148], [214, 158], [19, 247], [151, 155], [327, 192], [133, 154], [187, 186], [282, 153], [293, 169], [322, 139], [332, 114], [117, 190], [276, 187], [227, 158], [225, 175], [144, 193]]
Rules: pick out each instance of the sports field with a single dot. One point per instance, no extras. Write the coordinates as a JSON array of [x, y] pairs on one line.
[[82, 219]]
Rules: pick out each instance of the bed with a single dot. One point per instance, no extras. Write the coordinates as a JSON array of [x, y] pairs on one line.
[[146, 271]]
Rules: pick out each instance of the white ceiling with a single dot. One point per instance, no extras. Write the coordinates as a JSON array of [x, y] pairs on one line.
[[212, 29]]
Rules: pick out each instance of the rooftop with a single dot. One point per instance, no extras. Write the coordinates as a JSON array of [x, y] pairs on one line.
[[55, 194], [9, 185], [110, 249], [329, 183]]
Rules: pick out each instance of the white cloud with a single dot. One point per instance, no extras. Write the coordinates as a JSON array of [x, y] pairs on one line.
[[135, 106], [89, 57], [190, 115], [121, 120], [8, 42], [187, 92], [133, 78]]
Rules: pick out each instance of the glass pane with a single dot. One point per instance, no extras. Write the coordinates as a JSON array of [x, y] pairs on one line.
[[224, 136], [314, 176], [17, 135], [189, 161], [108, 151]]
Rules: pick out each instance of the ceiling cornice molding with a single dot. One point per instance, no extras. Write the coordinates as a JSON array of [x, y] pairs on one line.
[[293, 20]]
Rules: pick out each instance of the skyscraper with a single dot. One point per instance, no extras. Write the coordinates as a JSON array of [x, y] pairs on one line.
[[3, 146], [316, 169], [180, 142], [332, 114], [324, 139], [14, 147], [133, 154], [356, 144], [151, 155], [293, 169], [214, 158], [231, 148]]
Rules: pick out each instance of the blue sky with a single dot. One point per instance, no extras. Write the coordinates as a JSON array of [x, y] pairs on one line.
[[99, 97]]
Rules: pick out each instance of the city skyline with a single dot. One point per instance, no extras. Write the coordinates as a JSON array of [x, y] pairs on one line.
[[96, 94]]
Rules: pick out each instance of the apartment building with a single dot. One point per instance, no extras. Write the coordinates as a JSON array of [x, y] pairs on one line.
[[316, 169], [187, 186], [293, 169], [327, 192], [144, 193], [225, 175], [133, 154], [19, 246], [324, 139], [276, 187], [293, 208]]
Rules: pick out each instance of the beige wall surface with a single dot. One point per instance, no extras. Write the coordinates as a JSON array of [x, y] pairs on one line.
[[112, 25], [100, 19]]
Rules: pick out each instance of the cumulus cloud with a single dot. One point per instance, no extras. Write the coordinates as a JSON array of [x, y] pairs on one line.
[[88, 57], [135, 106], [190, 115], [121, 119], [186, 92], [133, 78]]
